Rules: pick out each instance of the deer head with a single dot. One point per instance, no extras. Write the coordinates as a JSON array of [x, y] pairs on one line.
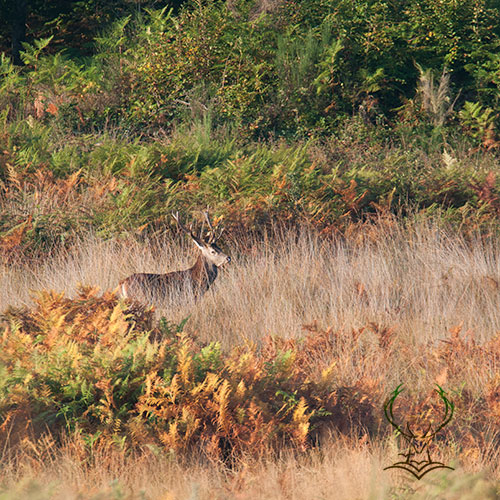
[[207, 244]]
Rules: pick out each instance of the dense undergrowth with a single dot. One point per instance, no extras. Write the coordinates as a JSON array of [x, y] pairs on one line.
[[283, 112], [93, 366], [118, 187], [99, 369]]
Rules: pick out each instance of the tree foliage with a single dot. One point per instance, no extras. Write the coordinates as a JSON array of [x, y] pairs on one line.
[[281, 67], [172, 109]]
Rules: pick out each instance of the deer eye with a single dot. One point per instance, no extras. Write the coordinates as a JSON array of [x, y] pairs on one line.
[[212, 251]]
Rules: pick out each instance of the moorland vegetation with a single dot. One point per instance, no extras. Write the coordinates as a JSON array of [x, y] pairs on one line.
[[351, 150]]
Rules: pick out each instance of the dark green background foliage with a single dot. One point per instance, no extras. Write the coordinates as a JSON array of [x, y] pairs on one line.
[[273, 67], [315, 111]]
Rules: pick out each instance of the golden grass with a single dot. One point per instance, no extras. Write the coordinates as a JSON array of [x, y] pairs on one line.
[[343, 469], [420, 280], [428, 300]]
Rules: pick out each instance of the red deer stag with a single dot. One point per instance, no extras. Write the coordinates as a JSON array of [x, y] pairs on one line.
[[150, 288]]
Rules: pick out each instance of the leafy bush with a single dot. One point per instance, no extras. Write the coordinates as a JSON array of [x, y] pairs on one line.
[[52, 193], [99, 368], [95, 366], [283, 68], [171, 109]]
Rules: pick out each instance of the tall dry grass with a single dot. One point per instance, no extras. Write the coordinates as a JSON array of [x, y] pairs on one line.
[[344, 469], [418, 278], [407, 286], [416, 281]]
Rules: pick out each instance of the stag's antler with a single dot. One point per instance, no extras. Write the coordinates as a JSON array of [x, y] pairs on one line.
[[213, 233], [211, 236], [182, 227]]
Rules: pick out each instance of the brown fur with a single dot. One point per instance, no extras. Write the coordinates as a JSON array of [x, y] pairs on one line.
[[152, 288]]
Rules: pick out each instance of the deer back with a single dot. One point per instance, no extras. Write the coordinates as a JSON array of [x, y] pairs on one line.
[[151, 288]]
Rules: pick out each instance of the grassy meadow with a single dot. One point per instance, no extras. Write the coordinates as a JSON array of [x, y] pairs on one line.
[[350, 148], [390, 303]]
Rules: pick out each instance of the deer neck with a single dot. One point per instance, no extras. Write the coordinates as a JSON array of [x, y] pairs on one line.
[[203, 272]]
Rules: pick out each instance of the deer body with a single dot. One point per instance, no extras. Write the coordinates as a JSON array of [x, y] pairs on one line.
[[148, 288]]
